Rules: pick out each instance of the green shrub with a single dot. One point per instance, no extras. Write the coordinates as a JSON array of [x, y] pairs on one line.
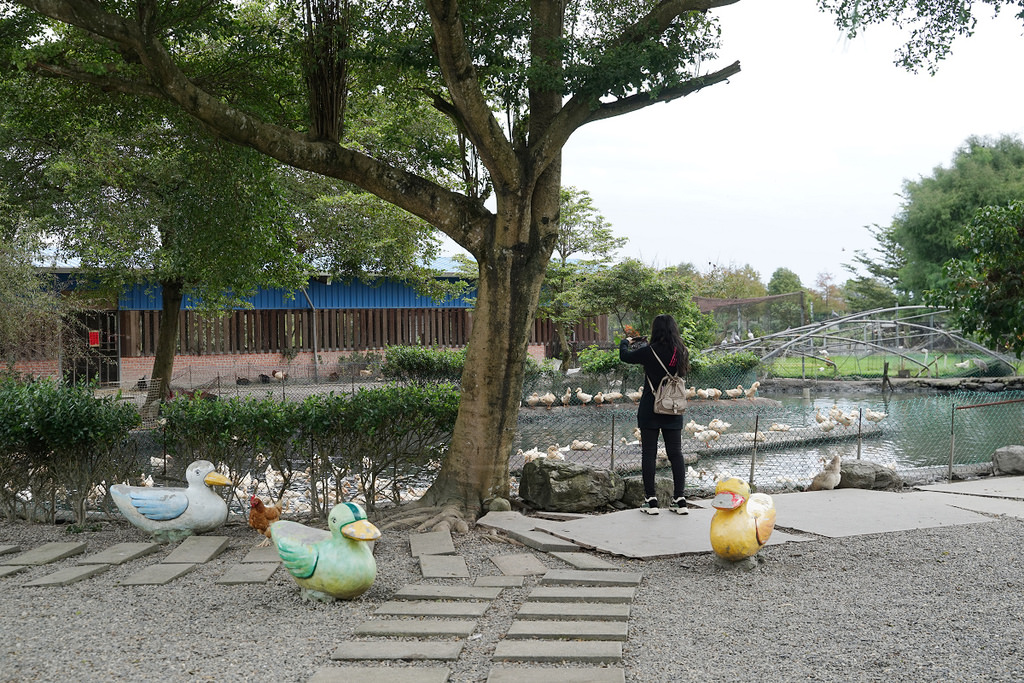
[[723, 372], [423, 364], [61, 442]]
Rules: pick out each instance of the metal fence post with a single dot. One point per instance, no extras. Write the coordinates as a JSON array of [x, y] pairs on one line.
[[952, 417], [753, 458], [612, 463]]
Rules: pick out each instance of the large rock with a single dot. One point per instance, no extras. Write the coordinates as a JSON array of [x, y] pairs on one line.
[[863, 474], [562, 486], [1008, 460], [633, 495]]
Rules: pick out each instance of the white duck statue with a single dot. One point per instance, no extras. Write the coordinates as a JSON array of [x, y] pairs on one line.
[[171, 514]]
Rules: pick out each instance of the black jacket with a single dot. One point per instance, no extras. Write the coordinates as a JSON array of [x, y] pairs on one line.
[[646, 418]]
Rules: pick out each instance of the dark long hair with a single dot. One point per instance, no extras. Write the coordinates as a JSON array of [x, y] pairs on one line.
[[665, 335]]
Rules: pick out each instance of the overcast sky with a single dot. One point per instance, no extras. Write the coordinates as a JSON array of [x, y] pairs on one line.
[[786, 164]]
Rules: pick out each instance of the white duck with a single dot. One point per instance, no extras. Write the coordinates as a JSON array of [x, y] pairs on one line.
[[779, 427], [752, 391], [578, 445], [554, 453], [703, 394], [735, 393], [692, 427], [874, 415], [707, 436], [691, 392], [714, 394], [548, 399], [582, 397], [827, 425], [599, 398], [170, 514], [719, 425], [613, 396], [533, 399], [634, 396], [567, 396]]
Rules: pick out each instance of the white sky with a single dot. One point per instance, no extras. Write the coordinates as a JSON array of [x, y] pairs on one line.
[[785, 165]]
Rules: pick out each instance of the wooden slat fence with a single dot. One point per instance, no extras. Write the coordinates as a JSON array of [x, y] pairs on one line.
[[284, 331]]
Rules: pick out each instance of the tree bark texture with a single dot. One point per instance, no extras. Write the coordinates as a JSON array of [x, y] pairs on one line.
[[167, 339]]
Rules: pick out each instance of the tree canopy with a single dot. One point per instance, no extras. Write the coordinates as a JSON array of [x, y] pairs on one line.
[[984, 172], [986, 291], [509, 81]]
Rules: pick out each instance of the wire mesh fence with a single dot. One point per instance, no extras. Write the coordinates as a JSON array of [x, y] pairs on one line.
[[777, 442], [781, 444]]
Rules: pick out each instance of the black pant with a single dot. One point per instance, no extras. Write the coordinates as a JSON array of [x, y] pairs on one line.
[[649, 458]]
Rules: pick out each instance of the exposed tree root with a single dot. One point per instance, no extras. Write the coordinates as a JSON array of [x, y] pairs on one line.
[[423, 518]]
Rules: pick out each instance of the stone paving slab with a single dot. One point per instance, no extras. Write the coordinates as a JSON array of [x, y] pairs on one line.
[[519, 564], [412, 650], [433, 608], [419, 591], [158, 574], [64, 577], [577, 594], [381, 674], [431, 543], [505, 674], [262, 555], [121, 553], [589, 651], [541, 540], [569, 630], [631, 533], [416, 628], [504, 581], [997, 487], [579, 577], [12, 569], [250, 572], [9, 549], [851, 512], [197, 550], [584, 561], [443, 567], [593, 611], [46, 553], [989, 505]]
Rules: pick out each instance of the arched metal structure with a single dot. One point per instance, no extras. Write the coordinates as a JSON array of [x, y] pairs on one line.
[[905, 332]]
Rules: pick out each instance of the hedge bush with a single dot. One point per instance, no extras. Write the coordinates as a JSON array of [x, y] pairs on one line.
[[60, 442]]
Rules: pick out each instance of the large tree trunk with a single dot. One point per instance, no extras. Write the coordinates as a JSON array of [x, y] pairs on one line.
[[476, 467], [166, 344]]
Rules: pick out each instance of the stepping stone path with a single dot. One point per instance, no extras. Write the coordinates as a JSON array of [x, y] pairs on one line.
[[578, 617]]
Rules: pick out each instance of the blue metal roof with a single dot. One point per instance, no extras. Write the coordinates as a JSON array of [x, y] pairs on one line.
[[337, 295]]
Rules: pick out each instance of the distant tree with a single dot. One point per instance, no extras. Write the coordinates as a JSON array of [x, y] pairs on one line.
[[881, 286], [828, 296], [986, 287], [732, 282], [634, 293], [582, 231], [31, 307], [785, 312], [984, 173]]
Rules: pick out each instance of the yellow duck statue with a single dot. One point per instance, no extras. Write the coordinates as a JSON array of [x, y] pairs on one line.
[[742, 522], [171, 514], [333, 564]]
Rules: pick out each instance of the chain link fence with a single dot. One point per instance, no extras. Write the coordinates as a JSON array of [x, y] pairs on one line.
[[781, 445]]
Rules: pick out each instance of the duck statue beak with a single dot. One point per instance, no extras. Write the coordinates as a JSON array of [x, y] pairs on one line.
[[216, 479], [727, 500], [360, 530]]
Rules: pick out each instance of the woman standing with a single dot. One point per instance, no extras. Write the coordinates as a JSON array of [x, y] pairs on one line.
[[665, 346]]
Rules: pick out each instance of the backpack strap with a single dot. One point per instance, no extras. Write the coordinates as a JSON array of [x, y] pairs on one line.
[[649, 382]]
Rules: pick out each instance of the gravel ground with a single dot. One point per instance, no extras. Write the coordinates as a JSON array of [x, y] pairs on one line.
[[935, 605]]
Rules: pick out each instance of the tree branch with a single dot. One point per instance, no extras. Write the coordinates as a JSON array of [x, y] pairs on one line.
[[463, 84], [458, 216], [105, 83]]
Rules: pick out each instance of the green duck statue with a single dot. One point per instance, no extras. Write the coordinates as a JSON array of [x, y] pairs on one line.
[[333, 564]]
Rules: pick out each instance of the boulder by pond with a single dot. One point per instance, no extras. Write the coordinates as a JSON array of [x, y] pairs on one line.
[[560, 486], [863, 474]]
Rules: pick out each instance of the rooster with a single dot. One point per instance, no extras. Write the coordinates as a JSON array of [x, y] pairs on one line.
[[261, 516]]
